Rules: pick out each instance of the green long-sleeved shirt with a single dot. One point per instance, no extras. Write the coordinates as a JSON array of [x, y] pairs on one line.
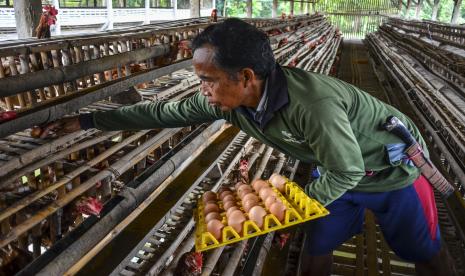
[[323, 120]]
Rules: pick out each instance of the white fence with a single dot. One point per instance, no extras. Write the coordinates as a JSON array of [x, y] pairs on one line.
[[79, 17]]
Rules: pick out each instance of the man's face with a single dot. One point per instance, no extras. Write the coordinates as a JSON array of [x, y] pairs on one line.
[[216, 84]]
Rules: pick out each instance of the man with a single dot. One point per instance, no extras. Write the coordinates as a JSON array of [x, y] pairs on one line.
[[314, 118]]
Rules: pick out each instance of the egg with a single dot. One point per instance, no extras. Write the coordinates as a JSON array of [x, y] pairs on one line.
[[36, 132], [278, 181], [249, 196], [258, 184], [278, 210], [230, 210], [215, 227], [270, 200], [212, 215], [223, 189], [228, 198], [236, 220], [257, 213], [236, 186], [247, 205], [211, 207], [225, 193], [246, 192], [265, 192], [243, 189], [209, 195], [228, 204]]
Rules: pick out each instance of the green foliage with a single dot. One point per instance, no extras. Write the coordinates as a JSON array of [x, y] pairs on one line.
[[81, 3], [6, 3], [220, 7], [160, 3], [446, 8], [335, 6], [262, 8], [236, 8]]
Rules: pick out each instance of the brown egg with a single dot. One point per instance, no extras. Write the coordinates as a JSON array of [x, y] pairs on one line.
[[225, 193], [238, 184], [270, 200], [249, 196], [230, 210], [208, 195], [228, 198], [244, 193], [211, 207], [257, 213], [258, 184], [278, 181], [278, 209], [235, 220], [212, 215], [223, 189], [215, 227], [228, 204], [266, 192], [243, 189], [247, 205]]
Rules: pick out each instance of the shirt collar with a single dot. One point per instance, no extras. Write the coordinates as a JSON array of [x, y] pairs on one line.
[[275, 96]]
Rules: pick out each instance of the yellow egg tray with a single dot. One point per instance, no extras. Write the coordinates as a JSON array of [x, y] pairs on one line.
[[300, 208]]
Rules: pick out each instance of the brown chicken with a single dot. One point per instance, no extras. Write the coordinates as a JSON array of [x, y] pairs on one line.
[[47, 19], [190, 264], [214, 16]]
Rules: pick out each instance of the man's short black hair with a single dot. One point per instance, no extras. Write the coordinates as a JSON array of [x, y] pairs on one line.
[[238, 45]]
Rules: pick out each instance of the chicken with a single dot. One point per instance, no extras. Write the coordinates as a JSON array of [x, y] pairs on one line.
[[89, 206], [47, 19], [13, 259], [280, 239], [190, 264], [214, 15], [134, 68], [244, 171]]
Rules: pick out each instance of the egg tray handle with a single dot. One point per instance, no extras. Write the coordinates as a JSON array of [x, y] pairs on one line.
[[307, 207]]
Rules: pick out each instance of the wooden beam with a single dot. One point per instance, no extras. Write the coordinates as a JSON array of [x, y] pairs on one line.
[[456, 12], [274, 11], [27, 15], [434, 15], [418, 9], [249, 8], [194, 8]]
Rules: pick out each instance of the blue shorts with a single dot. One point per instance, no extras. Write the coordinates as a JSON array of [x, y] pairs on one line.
[[407, 218]]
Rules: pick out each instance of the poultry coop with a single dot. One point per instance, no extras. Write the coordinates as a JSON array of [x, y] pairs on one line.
[[122, 202]]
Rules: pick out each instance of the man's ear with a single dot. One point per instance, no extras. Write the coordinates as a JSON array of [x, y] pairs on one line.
[[248, 75]]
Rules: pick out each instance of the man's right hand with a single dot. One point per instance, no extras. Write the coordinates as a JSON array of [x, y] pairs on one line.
[[62, 126]]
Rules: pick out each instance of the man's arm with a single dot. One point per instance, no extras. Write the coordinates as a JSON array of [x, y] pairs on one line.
[[330, 136], [186, 112]]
